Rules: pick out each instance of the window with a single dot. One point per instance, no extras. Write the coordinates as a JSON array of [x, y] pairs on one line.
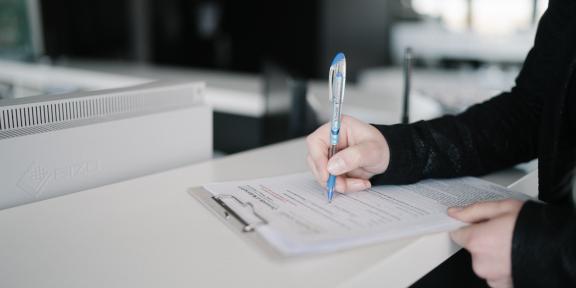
[[494, 17]]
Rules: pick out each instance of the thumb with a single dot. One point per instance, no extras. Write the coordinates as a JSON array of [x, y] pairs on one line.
[[482, 211], [462, 235], [349, 159]]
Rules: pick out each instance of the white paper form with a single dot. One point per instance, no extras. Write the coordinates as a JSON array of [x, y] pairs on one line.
[[300, 220]]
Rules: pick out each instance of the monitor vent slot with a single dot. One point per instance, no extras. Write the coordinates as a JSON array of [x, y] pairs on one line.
[[58, 111], [53, 112]]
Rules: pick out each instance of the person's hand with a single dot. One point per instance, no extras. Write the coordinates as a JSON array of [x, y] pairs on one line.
[[489, 238], [363, 153]]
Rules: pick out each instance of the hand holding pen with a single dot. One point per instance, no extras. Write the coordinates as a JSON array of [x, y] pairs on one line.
[[364, 152]]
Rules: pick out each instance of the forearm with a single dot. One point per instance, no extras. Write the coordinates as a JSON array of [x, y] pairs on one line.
[[489, 136]]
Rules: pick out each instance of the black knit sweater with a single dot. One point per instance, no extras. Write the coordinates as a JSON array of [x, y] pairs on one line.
[[536, 119]]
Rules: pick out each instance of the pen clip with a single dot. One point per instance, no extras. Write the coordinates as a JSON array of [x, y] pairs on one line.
[[338, 71], [330, 81], [229, 212]]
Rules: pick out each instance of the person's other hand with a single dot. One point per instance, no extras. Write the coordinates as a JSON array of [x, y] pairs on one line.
[[363, 153], [489, 238]]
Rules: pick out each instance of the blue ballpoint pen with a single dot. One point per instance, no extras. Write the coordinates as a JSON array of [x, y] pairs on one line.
[[337, 81]]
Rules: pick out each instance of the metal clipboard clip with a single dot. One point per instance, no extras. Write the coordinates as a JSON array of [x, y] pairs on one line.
[[229, 212], [226, 207]]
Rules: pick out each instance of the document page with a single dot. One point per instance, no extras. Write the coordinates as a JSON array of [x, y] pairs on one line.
[[292, 212]]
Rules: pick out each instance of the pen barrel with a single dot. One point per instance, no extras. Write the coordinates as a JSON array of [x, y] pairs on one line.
[[331, 183], [331, 151]]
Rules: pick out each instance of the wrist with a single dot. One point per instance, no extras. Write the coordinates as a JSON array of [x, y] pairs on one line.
[[400, 168]]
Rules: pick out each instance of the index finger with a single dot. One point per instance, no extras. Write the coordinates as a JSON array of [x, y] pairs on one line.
[[318, 146], [320, 136]]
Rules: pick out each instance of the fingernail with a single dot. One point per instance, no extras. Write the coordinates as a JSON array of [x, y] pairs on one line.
[[336, 166], [454, 209], [357, 185]]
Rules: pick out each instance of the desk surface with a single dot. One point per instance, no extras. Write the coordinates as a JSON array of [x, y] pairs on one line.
[[148, 232]]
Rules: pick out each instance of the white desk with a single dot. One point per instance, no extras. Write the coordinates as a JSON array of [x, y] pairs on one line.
[[454, 90], [432, 41], [380, 105], [149, 232]]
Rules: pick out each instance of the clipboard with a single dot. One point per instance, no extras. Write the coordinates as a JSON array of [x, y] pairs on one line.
[[247, 230], [280, 240]]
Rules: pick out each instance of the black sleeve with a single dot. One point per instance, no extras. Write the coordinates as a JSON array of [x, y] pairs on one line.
[[489, 136], [544, 246]]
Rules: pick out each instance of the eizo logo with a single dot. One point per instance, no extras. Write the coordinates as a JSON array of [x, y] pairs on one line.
[[36, 178]]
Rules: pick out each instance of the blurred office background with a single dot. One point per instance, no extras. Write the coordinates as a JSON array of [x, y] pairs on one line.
[[266, 63]]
